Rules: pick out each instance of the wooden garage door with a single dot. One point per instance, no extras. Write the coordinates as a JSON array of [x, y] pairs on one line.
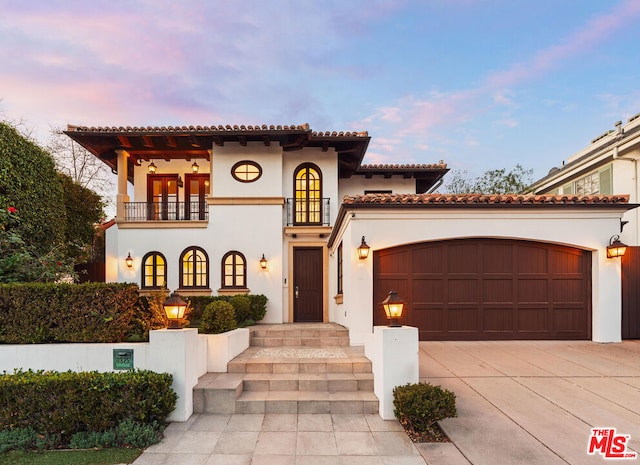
[[488, 289]]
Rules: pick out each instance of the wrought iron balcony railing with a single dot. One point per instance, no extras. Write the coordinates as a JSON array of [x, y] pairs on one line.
[[165, 211], [308, 212]]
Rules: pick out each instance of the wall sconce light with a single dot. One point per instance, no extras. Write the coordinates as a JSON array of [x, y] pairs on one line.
[[363, 250], [152, 168], [393, 307], [195, 167], [180, 183], [615, 247], [129, 261], [174, 308], [263, 262]]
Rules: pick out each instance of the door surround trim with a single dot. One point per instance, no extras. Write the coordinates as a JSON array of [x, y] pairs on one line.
[[325, 278]]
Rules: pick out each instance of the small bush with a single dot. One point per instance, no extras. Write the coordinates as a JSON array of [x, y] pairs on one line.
[[419, 406], [127, 434], [258, 306], [23, 439], [218, 317], [242, 307]]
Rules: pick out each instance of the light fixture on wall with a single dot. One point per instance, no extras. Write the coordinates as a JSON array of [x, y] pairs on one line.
[[263, 262], [129, 261], [615, 247], [195, 167], [393, 307], [152, 168], [174, 308], [180, 183], [363, 250]]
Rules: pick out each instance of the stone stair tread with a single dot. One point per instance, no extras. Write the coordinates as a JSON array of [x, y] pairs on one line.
[[307, 396]]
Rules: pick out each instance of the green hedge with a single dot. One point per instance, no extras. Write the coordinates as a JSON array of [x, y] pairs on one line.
[[62, 404], [37, 313], [256, 312]]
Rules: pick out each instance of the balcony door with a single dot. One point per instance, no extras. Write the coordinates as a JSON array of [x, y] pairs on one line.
[[162, 197], [308, 195], [196, 191]]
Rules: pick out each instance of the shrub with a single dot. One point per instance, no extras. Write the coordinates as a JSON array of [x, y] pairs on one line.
[[38, 313], [419, 406], [127, 434], [67, 403], [242, 307], [218, 317], [23, 439], [258, 306]]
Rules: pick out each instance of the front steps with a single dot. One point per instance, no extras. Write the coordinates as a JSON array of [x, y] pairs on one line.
[[292, 368]]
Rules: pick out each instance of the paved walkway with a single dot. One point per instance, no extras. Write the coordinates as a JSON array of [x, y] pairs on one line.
[[533, 402], [518, 403]]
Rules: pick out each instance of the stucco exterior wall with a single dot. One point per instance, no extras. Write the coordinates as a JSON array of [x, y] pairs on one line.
[[390, 228], [359, 184]]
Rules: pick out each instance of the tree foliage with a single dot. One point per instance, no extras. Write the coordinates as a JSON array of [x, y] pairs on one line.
[[498, 181]]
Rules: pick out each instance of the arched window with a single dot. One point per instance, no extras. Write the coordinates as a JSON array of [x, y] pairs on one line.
[[308, 194], [194, 268], [234, 271], [154, 271]]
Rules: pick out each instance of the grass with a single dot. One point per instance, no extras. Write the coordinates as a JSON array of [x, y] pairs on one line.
[[71, 457]]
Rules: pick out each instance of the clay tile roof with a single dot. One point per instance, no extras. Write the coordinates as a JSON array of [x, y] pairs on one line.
[[413, 166], [228, 127], [484, 199]]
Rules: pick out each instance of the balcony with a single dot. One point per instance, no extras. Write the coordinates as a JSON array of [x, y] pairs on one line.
[[313, 212], [165, 211]]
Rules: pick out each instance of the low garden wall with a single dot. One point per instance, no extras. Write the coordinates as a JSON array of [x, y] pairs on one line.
[[184, 353]]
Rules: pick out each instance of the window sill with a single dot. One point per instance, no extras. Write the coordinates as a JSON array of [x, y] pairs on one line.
[[338, 298], [233, 291], [188, 291]]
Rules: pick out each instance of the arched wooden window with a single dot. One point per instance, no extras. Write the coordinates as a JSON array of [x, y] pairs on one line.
[[234, 271], [308, 194], [194, 268], [154, 271]]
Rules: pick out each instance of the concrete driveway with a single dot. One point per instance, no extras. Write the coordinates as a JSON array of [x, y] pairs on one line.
[[532, 402]]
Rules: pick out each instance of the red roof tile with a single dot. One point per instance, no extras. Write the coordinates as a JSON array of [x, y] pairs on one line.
[[413, 166], [482, 199]]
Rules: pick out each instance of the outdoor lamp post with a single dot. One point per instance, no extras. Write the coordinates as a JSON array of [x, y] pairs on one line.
[[363, 250], [615, 247], [393, 307], [174, 308]]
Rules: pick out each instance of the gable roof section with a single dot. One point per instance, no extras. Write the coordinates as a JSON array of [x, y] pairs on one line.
[[191, 142], [477, 201], [426, 175]]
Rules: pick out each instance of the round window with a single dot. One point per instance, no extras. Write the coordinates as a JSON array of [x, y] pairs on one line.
[[246, 171]]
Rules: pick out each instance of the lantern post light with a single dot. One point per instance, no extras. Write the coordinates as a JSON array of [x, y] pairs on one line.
[[174, 307], [393, 307]]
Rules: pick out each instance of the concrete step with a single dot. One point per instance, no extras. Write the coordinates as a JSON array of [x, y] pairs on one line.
[[287, 341], [361, 402], [331, 382], [306, 335]]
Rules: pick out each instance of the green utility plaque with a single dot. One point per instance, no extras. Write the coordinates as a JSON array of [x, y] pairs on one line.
[[123, 359]]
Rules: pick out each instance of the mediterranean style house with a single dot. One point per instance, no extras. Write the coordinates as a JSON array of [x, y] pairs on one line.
[[609, 166], [290, 213]]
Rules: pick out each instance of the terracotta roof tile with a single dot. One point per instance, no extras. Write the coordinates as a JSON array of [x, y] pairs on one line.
[[214, 128], [482, 199], [413, 166]]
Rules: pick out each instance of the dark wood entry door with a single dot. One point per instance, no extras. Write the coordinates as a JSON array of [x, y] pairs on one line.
[[631, 294], [307, 284]]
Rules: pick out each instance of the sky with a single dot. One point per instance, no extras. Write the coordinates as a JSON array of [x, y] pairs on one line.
[[478, 84]]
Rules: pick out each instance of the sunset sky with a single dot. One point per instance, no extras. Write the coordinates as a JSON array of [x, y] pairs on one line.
[[479, 84]]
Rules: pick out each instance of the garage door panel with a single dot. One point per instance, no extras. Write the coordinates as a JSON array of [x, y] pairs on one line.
[[428, 290], [498, 320], [463, 258], [497, 290], [475, 289], [533, 290]]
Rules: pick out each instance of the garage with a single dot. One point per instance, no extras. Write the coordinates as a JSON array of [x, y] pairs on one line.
[[487, 289]]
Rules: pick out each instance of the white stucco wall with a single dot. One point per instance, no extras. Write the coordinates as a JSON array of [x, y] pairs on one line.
[[356, 185], [589, 230]]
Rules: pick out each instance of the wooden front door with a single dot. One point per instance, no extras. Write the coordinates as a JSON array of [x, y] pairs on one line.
[[307, 284]]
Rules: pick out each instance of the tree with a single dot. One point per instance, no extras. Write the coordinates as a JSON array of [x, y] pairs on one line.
[[80, 165], [497, 181]]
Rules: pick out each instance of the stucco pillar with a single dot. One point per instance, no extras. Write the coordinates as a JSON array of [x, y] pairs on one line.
[[606, 298], [123, 174], [394, 357]]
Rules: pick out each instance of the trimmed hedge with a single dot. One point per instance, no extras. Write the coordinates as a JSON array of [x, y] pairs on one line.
[[218, 317], [256, 312], [65, 403], [419, 406], [38, 313]]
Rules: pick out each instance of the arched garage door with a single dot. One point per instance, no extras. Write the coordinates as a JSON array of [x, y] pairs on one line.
[[488, 289]]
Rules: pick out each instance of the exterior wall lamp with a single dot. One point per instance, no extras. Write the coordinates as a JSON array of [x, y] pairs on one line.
[[195, 167], [129, 261], [615, 247], [363, 250], [393, 307], [174, 308], [263, 262], [152, 168]]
